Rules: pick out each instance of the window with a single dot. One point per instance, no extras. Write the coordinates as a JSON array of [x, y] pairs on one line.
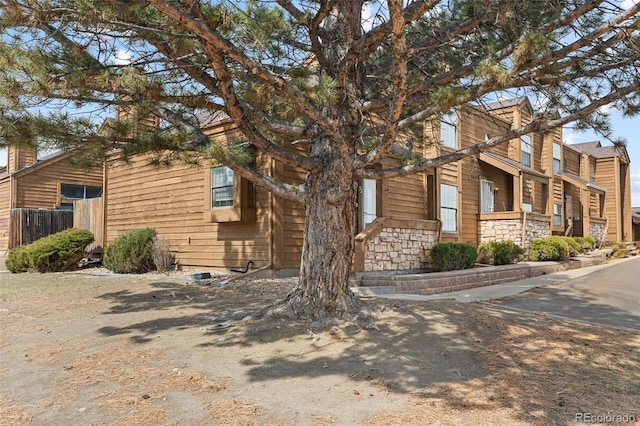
[[557, 159], [222, 179], [227, 197], [448, 130], [79, 192], [592, 171], [369, 189], [557, 214], [525, 150], [486, 196], [449, 207]]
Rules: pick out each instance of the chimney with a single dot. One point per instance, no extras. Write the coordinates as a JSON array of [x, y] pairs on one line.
[[19, 157]]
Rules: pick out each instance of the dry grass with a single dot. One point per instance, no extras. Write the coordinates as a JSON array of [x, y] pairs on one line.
[[12, 413], [527, 369]]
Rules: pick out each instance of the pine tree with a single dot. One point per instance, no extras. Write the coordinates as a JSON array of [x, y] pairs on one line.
[[352, 80]]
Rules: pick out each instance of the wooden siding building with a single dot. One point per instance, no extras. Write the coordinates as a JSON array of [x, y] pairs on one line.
[[608, 167], [51, 182], [184, 204], [526, 188]]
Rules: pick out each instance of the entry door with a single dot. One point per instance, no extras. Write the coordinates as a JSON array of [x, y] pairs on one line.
[[487, 200], [368, 202]]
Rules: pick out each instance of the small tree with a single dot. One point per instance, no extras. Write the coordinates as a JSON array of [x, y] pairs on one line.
[[349, 85], [131, 252]]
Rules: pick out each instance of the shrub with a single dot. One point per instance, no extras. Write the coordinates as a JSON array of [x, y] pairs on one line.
[[56, 253], [131, 253], [553, 248], [17, 260], [453, 256], [586, 244], [500, 253], [162, 257]]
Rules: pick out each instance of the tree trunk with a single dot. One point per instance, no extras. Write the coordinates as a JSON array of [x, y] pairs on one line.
[[323, 284]]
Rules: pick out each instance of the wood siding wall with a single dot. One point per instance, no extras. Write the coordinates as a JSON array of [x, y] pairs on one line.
[[403, 197], [40, 188], [171, 200], [5, 206], [571, 161], [289, 227], [606, 176], [474, 126]]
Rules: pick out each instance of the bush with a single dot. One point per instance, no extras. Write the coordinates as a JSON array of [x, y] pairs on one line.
[[17, 260], [453, 256], [553, 248], [131, 253], [56, 253], [500, 253], [586, 244], [162, 257]]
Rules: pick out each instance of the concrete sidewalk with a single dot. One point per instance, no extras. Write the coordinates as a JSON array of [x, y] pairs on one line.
[[498, 291]]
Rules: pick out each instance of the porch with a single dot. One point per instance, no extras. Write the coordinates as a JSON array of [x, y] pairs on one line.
[[395, 244]]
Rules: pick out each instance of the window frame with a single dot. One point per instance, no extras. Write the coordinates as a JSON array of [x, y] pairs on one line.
[[66, 202], [557, 159], [557, 214], [241, 209], [449, 126], [526, 150], [444, 206], [224, 186], [487, 189]]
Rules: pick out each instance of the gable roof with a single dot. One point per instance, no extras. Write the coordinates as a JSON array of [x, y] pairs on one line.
[[507, 103], [595, 149], [509, 165], [43, 162], [578, 181]]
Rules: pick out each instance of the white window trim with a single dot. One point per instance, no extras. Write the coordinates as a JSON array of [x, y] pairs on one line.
[[557, 215], [484, 202], [557, 158], [449, 130], [525, 150], [449, 204], [230, 175]]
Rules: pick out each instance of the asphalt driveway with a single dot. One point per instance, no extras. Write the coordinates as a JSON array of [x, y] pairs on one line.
[[608, 297]]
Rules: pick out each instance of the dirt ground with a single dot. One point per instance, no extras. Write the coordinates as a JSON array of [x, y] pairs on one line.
[[96, 350]]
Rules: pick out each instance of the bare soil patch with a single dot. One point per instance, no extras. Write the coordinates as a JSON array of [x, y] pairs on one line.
[[82, 349]]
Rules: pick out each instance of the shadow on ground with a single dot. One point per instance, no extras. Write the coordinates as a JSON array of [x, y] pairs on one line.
[[472, 358]]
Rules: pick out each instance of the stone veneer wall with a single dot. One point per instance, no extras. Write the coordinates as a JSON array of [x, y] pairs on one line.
[[399, 249], [511, 229], [596, 231]]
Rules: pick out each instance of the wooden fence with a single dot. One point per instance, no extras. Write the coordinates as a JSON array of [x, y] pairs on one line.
[[29, 225], [88, 214]]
